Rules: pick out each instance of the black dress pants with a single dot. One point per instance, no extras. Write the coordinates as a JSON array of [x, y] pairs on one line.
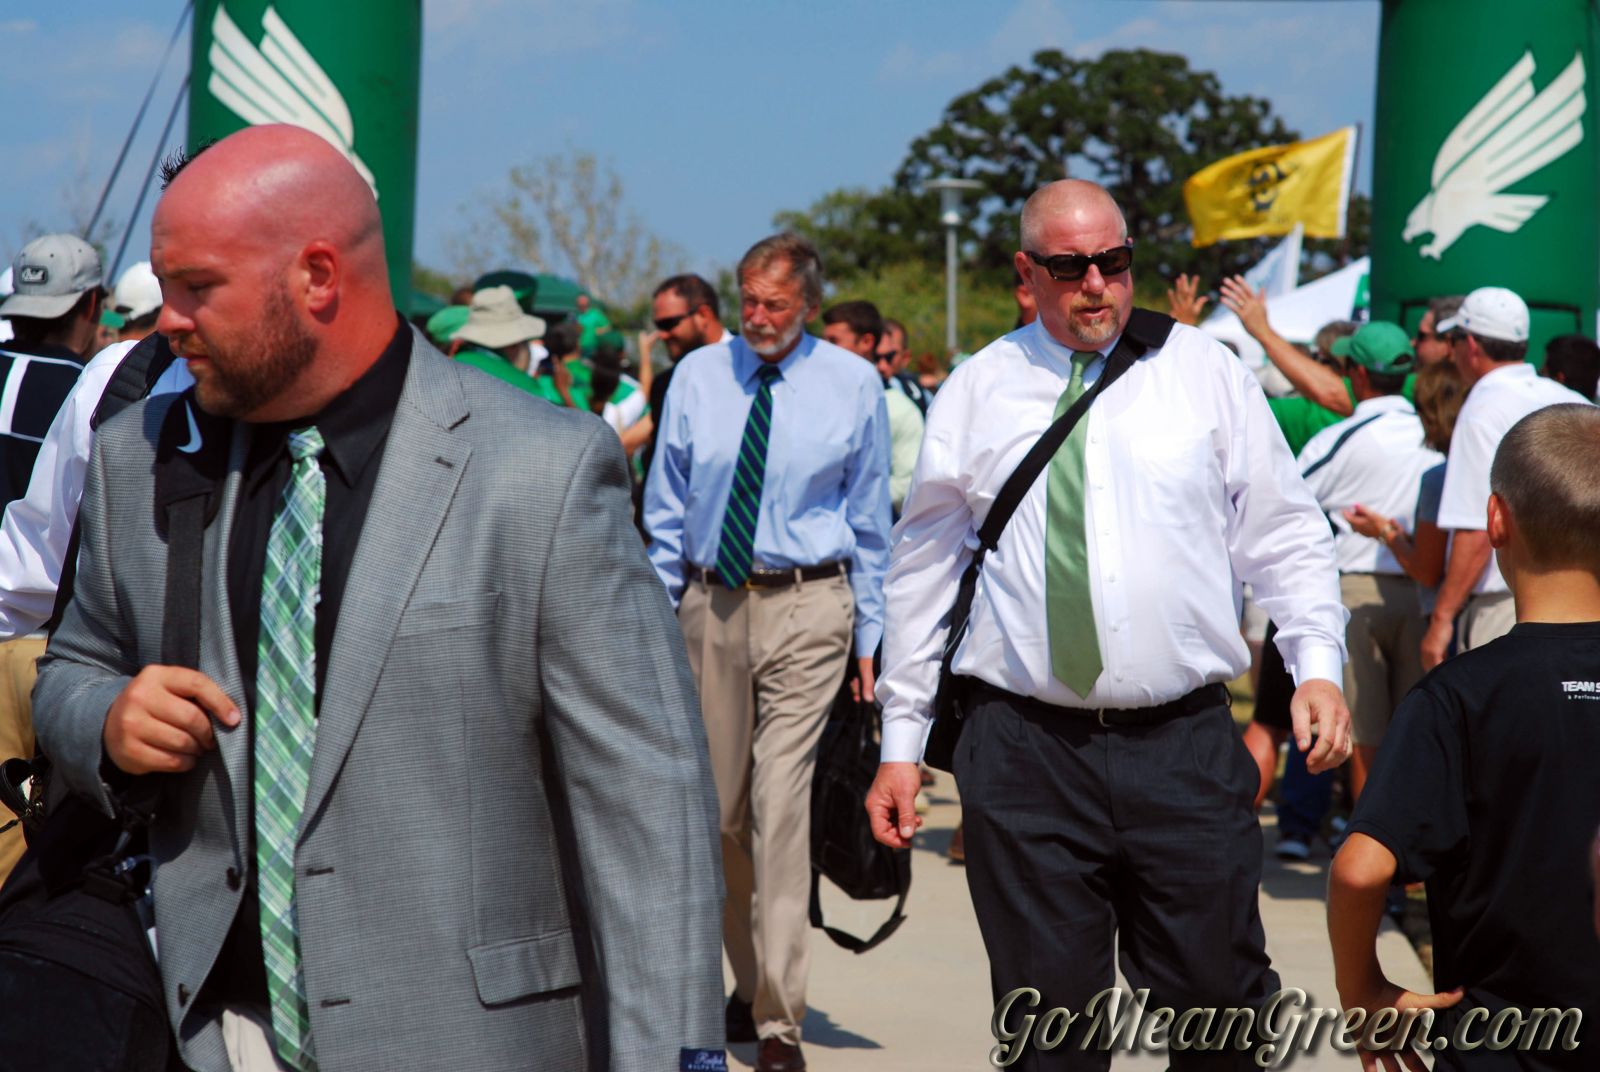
[[1077, 834]]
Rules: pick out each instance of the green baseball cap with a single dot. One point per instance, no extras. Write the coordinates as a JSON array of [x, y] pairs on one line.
[[1379, 347], [444, 324]]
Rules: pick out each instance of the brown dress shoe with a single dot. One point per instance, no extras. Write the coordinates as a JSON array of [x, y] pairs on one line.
[[957, 852], [776, 1055]]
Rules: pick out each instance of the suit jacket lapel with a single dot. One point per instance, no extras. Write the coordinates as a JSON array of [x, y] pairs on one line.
[[421, 467], [219, 655]]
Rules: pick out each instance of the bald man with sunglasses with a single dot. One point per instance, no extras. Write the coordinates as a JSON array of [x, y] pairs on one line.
[[1103, 785]]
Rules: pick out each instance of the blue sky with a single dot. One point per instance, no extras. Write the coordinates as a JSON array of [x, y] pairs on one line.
[[715, 114]]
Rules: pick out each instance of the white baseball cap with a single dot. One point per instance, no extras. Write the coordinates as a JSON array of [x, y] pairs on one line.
[[50, 275], [1490, 313], [138, 292]]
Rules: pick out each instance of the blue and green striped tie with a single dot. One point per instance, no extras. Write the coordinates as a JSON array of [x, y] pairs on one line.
[[736, 551], [286, 731]]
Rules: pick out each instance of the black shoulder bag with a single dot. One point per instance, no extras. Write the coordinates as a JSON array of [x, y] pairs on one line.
[[1145, 331], [842, 845], [77, 974]]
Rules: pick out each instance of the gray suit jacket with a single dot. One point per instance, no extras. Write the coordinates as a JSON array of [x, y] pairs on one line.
[[510, 793]]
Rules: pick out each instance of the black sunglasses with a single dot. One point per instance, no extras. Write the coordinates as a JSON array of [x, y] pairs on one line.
[[667, 323], [1070, 267]]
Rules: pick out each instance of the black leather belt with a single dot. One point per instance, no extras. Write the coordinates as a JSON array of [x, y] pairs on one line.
[[1201, 699], [774, 578]]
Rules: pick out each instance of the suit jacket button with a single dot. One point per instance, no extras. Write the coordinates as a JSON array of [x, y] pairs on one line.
[[183, 994], [233, 878]]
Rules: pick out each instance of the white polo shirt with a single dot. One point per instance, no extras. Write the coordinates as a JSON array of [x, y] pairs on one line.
[[1374, 457], [1495, 403]]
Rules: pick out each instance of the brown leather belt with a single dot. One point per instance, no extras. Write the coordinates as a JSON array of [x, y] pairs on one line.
[[1201, 699], [774, 578]]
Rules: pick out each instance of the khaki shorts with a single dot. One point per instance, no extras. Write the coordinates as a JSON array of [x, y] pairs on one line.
[[1385, 641], [1487, 617], [17, 659]]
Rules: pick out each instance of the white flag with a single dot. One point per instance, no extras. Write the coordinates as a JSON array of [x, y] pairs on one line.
[[1279, 271]]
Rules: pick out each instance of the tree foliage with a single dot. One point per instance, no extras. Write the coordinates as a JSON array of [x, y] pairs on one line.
[[565, 213], [1137, 121]]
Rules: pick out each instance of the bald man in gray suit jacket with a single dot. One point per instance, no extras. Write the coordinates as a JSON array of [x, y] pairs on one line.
[[507, 855]]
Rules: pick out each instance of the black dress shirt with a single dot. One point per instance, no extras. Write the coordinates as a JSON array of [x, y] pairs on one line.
[[354, 428]]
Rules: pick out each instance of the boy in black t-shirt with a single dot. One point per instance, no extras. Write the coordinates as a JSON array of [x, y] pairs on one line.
[[1487, 787]]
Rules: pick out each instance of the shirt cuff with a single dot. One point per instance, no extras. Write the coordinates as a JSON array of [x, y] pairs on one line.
[[868, 636], [903, 739], [1318, 661]]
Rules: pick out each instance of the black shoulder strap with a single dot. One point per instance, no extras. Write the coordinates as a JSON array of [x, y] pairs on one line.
[[1145, 330], [1344, 438], [136, 373]]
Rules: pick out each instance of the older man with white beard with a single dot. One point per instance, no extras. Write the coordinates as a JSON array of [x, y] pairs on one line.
[[767, 506]]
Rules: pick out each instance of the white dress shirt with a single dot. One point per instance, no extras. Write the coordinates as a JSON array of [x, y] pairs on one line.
[[1496, 402], [1380, 466], [1191, 491], [37, 527]]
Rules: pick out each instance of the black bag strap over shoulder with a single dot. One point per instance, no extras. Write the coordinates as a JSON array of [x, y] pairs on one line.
[[137, 373], [1144, 332]]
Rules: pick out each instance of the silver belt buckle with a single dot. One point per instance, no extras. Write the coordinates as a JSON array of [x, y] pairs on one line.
[[1100, 715]]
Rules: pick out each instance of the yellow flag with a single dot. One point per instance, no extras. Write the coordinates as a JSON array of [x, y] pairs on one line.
[[1267, 191]]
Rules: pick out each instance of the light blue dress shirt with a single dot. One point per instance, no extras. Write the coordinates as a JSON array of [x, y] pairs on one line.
[[825, 497]]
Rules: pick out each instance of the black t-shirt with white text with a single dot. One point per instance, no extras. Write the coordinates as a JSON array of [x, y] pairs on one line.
[[1487, 788]]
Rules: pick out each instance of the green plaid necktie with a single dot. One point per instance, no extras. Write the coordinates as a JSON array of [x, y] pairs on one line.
[[286, 730], [736, 550], [1069, 609]]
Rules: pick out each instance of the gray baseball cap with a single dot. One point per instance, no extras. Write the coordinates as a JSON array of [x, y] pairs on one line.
[[50, 275]]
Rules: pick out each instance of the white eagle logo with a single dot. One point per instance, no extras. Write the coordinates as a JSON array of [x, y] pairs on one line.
[[279, 83], [1508, 135]]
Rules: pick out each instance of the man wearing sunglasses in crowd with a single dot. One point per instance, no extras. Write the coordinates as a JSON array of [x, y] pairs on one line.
[[1432, 346], [686, 315], [894, 363], [1103, 785]]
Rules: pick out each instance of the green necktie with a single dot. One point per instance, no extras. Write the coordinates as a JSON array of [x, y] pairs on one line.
[[736, 547], [286, 731], [1069, 609]]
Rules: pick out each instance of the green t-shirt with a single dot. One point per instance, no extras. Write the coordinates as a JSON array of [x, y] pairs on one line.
[[591, 321], [1301, 418], [545, 386], [582, 387], [499, 368]]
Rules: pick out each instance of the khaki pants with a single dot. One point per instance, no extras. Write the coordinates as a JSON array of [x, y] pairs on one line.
[[1385, 641], [1487, 617], [768, 663], [17, 671]]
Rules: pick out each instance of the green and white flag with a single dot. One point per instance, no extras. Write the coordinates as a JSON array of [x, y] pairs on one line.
[[348, 71], [1486, 160]]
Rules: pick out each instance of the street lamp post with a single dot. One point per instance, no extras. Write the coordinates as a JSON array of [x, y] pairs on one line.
[[950, 192]]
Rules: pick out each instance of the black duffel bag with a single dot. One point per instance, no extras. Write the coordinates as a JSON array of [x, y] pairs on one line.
[[80, 990], [842, 845]]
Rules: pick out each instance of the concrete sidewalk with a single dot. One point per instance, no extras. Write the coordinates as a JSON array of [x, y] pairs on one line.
[[921, 1000]]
